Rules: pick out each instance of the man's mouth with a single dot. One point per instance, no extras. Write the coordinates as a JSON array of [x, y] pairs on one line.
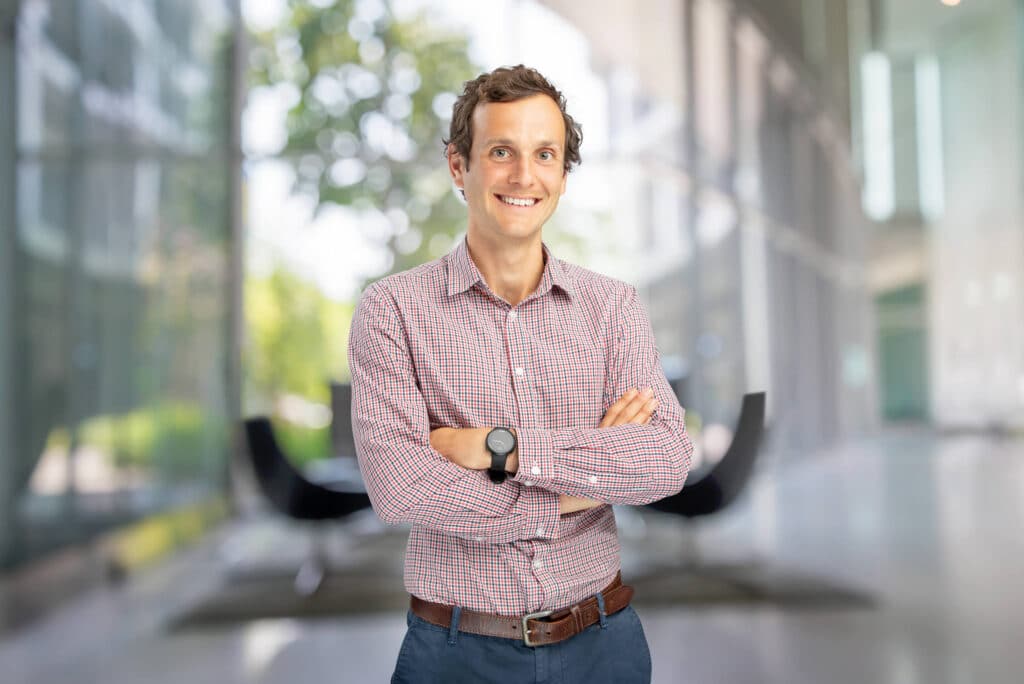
[[518, 201]]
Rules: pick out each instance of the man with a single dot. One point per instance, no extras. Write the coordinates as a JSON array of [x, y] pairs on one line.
[[501, 400]]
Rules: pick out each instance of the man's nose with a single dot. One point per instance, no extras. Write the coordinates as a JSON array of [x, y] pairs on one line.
[[522, 171]]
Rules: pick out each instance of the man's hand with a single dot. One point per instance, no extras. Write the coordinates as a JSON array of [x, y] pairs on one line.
[[632, 407]]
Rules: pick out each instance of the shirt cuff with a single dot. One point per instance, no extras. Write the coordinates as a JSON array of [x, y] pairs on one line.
[[541, 515], [536, 457]]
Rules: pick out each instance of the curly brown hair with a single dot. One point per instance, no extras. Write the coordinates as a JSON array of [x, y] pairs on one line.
[[508, 84]]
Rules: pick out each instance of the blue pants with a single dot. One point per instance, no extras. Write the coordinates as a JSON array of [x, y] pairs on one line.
[[615, 653]]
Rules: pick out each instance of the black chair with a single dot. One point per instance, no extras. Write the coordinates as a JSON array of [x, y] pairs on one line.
[[343, 440], [292, 494], [724, 483]]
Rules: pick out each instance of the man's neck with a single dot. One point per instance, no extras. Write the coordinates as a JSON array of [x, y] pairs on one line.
[[512, 271]]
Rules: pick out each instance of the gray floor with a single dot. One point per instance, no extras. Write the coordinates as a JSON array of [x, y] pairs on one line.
[[930, 527]]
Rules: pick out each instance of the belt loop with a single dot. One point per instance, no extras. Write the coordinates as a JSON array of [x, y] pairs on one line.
[[577, 616], [453, 629], [600, 610]]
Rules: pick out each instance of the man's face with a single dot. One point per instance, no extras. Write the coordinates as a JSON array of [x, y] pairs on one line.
[[515, 174]]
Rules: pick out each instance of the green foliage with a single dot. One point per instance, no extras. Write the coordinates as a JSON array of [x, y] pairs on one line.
[[363, 132], [176, 441], [297, 337]]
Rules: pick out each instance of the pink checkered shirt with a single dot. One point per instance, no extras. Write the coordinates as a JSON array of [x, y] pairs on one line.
[[434, 347]]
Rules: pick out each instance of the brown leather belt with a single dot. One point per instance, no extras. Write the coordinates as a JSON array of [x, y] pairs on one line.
[[533, 629]]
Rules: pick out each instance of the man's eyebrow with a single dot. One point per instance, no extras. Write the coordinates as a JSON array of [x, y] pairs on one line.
[[506, 141]]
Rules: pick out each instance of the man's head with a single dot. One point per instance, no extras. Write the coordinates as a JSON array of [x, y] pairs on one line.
[[512, 145], [508, 84]]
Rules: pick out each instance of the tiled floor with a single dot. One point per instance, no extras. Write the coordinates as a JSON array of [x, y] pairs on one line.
[[931, 527]]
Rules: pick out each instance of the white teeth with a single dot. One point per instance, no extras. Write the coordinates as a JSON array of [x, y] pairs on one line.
[[515, 201]]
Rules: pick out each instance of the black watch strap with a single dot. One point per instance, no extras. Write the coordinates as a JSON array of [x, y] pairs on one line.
[[497, 475]]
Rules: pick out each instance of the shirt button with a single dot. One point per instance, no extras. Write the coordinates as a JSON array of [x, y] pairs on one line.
[[528, 483], [537, 565], [535, 470], [512, 315], [479, 539], [540, 531], [519, 371], [593, 479]]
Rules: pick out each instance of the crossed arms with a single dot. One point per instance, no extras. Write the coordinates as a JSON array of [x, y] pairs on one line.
[[639, 452], [465, 447]]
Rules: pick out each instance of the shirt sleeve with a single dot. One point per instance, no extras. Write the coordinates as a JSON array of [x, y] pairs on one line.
[[628, 464], [406, 479]]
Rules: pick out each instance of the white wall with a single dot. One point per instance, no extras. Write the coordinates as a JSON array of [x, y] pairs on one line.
[[976, 308]]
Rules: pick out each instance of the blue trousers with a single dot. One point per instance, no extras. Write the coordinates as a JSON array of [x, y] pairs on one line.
[[613, 653]]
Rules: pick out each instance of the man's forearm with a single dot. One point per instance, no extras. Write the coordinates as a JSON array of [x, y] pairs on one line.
[[466, 447]]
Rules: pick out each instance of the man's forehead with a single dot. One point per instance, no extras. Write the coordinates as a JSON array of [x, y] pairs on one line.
[[509, 141], [537, 116]]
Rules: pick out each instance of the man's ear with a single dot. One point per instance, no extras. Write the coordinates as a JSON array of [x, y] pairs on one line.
[[456, 166]]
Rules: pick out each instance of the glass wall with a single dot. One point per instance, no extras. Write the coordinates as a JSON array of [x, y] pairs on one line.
[[765, 286], [122, 244]]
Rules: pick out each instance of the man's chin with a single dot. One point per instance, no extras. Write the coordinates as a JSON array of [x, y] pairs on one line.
[[521, 232]]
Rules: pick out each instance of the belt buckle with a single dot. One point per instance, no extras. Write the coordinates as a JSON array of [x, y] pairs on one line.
[[527, 618]]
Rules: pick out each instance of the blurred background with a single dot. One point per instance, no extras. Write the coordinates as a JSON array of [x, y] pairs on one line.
[[819, 199]]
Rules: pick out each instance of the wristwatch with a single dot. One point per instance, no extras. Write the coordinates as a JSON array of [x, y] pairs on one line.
[[500, 442]]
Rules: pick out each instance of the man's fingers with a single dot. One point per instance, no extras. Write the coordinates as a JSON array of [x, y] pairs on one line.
[[615, 409], [633, 407], [638, 411], [623, 410], [643, 417]]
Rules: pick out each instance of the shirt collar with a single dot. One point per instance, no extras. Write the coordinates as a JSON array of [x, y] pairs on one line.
[[463, 273]]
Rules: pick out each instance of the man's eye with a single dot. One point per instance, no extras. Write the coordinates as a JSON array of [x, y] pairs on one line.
[[501, 153], [546, 155]]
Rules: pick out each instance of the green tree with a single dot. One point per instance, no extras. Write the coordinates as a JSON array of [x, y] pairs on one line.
[[374, 94], [296, 337], [296, 346]]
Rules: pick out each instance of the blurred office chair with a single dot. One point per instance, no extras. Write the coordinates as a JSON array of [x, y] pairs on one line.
[[343, 440], [293, 495], [724, 483]]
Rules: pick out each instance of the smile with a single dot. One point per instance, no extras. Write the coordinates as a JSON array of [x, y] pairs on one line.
[[518, 201]]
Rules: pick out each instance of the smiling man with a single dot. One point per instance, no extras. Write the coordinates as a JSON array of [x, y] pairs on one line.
[[502, 399]]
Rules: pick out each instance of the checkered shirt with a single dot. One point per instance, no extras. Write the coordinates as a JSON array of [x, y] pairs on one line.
[[435, 347]]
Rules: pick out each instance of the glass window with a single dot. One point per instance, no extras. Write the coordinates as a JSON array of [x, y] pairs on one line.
[[122, 263]]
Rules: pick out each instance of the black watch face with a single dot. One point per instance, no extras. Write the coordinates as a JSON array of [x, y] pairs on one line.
[[500, 441]]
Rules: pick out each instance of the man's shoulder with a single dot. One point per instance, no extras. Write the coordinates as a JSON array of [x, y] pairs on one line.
[[412, 284], [596, 287]]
